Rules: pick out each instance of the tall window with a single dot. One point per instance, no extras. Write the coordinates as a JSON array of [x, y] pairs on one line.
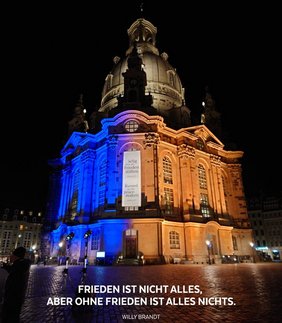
[[204, 198], [204, 204], [168, 200], [95, 240], [27, 240], [167, 169], [6, 241], [225, 192], [102, 182], [202, 177], [74, 199], [174, 240]]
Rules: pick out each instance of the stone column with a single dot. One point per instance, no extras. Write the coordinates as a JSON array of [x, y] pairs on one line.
[[186, 154], [112, 173], [215, 181], [87, 173], [151, 143]]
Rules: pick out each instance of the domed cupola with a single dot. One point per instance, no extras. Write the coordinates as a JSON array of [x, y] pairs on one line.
[[163, 83]]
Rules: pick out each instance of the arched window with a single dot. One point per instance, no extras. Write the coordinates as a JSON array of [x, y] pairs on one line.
[[174, 240], [167, 169], [102, 182]]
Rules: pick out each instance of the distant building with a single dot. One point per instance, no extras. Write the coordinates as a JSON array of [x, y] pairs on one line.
[[20, 228], [265, 214], [138, 182]]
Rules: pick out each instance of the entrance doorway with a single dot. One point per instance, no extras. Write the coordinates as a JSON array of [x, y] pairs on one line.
[[130, 243]]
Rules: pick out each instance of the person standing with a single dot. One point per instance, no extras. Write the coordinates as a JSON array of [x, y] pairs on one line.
[[15, 286], [3, 277]]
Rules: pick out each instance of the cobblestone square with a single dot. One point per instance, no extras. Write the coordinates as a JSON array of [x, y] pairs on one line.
[[255, 291]]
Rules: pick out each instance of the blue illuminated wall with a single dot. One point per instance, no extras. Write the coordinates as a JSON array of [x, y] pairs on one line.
[[88, 188]]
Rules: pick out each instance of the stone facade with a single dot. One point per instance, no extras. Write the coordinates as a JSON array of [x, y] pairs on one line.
[[191, 192]]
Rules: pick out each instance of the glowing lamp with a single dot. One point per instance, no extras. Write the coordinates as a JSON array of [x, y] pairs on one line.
[[70, 236], [87, 234]]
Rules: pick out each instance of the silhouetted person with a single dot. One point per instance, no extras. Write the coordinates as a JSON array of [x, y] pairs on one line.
[[15, 287], [3, 277]]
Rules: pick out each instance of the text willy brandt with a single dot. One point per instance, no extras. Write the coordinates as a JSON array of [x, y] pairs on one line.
[[98, 295]]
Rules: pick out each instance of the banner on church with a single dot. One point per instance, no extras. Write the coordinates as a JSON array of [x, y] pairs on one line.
[[131, 179]]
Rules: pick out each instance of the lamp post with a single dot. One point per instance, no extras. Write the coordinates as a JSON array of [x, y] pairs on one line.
[[253, 251], [208, 243], [59, 252], [18, 241], [68, 239], [86, 237], [34, 255]]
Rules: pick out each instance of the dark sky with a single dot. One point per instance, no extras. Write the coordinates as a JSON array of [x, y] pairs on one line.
[[50, 55]]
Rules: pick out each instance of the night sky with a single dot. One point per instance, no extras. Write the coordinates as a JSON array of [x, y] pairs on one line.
[[50, 55]]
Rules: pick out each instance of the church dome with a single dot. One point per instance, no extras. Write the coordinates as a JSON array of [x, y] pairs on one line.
[[163, 83]]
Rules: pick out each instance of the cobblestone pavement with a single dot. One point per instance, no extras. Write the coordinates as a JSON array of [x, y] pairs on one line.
[[254, 289]]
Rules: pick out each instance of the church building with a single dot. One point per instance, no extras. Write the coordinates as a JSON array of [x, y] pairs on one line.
[[137, 182]]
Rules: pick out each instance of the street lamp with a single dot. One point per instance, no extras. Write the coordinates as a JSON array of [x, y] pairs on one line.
[[208, 243], [253, 251]]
